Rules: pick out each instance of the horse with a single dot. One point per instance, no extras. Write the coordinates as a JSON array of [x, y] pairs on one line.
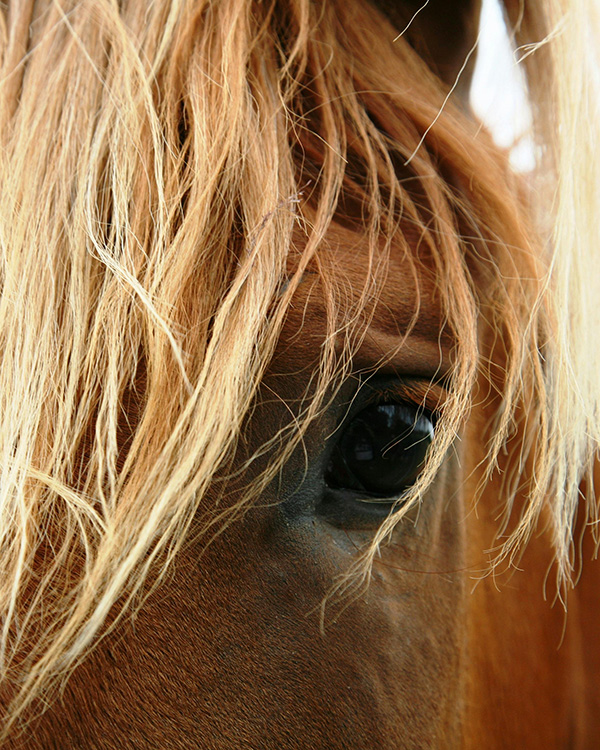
[[299, 406]]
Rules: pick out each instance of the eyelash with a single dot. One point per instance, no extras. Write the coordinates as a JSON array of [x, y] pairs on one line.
[[427, 397]]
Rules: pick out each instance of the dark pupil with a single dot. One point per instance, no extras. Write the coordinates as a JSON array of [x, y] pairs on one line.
[[382, 450]]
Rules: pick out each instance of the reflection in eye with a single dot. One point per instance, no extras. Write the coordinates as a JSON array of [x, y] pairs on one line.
[[382, 451]]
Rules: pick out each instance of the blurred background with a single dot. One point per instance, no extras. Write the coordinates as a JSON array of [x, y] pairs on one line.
[[498, 93]]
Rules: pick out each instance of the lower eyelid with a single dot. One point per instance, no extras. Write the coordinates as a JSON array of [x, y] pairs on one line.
[[346, 511]]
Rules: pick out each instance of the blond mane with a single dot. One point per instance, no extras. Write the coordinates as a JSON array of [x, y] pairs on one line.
[[157, 161]]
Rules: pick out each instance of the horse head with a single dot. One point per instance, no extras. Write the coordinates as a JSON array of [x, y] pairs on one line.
[[297, 403]]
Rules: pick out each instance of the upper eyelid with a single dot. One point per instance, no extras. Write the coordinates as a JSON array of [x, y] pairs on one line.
[[419, 393]]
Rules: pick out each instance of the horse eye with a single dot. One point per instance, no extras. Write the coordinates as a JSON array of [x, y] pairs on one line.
[[382, 451]]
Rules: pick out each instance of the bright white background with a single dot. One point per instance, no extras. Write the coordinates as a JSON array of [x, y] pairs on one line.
[[497, 94]]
